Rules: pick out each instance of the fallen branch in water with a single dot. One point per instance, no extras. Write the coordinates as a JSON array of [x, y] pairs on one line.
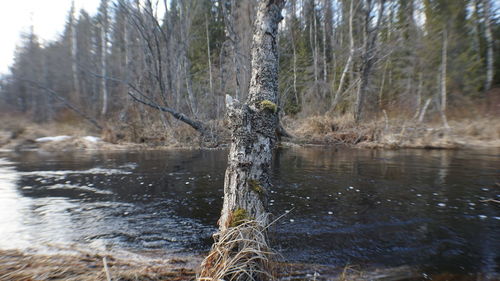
[[490, 200]]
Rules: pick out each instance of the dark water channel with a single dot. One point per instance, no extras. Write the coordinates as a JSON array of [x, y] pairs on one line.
[[346, 206]]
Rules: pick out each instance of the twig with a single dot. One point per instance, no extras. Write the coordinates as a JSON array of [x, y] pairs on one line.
[[490, 200], [108, 275]]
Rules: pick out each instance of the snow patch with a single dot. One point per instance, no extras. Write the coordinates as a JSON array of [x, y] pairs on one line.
[[55, 138], [92, 139]]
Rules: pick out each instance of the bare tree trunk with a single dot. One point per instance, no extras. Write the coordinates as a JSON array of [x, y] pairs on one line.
[[315, 49], [325, 60], [368, 57], [104, 50], [444, 58], [247, 179], [209, 58], [104, 108], [294, 50], [233, 38], [74, 50], [489, 46], [340, 87], [419, 95], [424, 110], [254, 123]]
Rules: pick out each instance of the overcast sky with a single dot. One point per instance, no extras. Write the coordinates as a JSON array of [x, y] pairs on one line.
[[47, 16]]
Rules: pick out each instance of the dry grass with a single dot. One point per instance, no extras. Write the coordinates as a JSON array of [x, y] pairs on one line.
[[17, 266], [395, 132], [323, 129], [240, 253]]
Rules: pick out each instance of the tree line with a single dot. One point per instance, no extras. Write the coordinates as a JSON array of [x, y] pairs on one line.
[[128, 64]]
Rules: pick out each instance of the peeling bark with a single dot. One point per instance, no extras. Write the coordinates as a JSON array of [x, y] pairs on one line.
[[253, 128], [254, 123]]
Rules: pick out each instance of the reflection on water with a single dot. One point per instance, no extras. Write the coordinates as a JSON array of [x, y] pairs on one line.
[[371, 207]]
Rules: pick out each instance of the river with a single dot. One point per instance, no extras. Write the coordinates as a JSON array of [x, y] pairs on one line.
[[381, 208]]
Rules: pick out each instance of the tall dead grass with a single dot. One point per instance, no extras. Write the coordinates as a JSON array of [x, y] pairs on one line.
[[396, 131], [240, 253], [323, 129]]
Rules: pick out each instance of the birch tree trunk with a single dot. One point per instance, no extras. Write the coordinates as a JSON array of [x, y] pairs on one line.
[[209, 59], [254, 124], [315, 41], [489, 45], [347, 66], [104, 50], [74, 69], [444, 59], [247, 180], [325, 59], [104, 108]]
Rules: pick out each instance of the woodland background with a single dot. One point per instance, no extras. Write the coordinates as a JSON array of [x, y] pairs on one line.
[[141, 76]]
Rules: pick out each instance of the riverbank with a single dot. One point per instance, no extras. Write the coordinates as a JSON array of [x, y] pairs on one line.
[[16, 266], [389, 133], [396, 133]]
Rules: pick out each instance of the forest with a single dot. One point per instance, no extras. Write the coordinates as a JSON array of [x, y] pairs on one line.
[[92, 188], [391, 72]]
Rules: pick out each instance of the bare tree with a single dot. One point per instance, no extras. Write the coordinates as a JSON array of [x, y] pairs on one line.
[[369, 54], [489, 45], [348, 63], [253, 125], [103, 10], [209, 58], [444, 60], [74, 49], [233, 42]]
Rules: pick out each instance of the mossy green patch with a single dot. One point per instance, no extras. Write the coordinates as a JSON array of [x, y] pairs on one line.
[[238, 217], [268, 105], [255, 186]]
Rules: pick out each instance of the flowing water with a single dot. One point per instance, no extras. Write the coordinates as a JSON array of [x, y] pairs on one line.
[[381, 208]]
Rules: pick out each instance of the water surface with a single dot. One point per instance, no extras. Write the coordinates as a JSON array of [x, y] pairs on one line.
[[343, 206]]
